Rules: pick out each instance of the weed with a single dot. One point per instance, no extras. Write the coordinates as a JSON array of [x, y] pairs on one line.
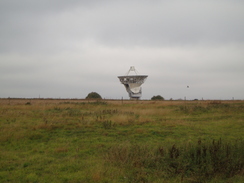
[[205, 160], [107, 124]]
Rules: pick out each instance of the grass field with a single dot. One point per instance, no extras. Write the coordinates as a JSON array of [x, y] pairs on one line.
[[121, 141]]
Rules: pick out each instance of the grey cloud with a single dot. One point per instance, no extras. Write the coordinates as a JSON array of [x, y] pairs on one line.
[[163, 24], [50, 25], [68, 48]]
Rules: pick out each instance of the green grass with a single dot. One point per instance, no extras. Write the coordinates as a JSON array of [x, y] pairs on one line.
[[111, 141]]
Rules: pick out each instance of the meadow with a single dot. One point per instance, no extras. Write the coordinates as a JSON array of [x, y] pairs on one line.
[[73, 141]]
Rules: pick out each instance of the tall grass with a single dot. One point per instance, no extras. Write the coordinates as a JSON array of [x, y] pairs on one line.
[[111, 141], [199, 162]]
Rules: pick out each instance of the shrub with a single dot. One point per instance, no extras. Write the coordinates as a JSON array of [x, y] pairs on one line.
[[93, 95], [158, 97]]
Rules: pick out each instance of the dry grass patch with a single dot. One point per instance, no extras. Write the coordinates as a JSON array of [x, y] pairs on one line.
[[140, 131], [120, 119], [61, 149]]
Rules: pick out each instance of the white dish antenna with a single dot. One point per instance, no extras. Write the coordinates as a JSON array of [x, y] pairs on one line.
[[133, 83]]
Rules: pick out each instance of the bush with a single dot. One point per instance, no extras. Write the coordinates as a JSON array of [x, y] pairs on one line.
[[93, 95], [158, 97]]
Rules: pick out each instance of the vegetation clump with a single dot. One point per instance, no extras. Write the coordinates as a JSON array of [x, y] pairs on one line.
[[93, 95], [157, 97], [191, 162]]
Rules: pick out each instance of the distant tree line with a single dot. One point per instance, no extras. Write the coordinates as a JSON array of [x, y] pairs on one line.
[[95, 95]]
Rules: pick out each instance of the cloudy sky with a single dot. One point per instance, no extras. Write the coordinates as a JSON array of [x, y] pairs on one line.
[[68, 48]]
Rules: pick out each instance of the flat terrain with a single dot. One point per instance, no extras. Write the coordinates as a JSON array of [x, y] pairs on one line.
[[72, 140]]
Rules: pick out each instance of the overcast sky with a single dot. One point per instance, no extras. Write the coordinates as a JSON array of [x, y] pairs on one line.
[[68, 48]]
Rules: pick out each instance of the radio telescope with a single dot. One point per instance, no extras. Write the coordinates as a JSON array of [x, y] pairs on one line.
[[133, 83]]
